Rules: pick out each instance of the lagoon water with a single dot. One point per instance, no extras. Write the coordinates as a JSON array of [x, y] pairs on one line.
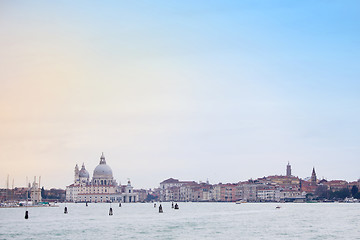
[[191, 221]]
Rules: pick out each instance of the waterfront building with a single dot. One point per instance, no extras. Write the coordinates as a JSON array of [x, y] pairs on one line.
[[170, 190], [190, 191], [35, 192], [171, 182], [101, 188], [268, 193], [185, 193], [142, 194], [206, 192], [172, 194], [336, 185], [228, 192], [247, 191], [292, 195], [216, 193]]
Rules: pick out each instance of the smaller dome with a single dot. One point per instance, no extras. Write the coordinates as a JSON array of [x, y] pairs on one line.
[[83, 173]]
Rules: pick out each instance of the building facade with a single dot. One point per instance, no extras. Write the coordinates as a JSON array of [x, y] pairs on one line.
[[35, 192], [101, 188]]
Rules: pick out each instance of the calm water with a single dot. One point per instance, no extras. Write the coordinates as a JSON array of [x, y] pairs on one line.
[[192, 221]]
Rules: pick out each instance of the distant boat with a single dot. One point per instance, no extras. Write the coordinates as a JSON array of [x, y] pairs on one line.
[[240, 201], [278, 207]]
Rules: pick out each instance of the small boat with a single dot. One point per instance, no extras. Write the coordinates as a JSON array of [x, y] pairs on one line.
[[278, 207], [240, 202]]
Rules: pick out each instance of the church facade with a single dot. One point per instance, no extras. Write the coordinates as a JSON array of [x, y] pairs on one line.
[[101, 188]]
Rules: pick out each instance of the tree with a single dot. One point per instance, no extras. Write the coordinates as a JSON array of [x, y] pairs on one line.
[[43, 193], [354, 190], [322, 192], [341, 194], [357, 195], [150, 198]]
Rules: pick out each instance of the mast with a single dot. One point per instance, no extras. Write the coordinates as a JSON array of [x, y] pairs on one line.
[[40, 197], [7, 188], [26, 186], [12, 191]]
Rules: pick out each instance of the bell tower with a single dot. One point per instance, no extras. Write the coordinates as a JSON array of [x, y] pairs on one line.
[[313, 176], [76, 174], [288, 170]]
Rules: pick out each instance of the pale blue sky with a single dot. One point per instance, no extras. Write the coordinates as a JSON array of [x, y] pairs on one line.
[[224, 90]]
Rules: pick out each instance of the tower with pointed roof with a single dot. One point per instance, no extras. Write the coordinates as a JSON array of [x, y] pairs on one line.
[[313, 176]]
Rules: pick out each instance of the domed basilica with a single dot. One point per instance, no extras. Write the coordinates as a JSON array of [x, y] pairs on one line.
[[102, 188]]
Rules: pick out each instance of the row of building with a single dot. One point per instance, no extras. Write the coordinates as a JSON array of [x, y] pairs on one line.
[[267, 189], [104, 188], [31, 195]]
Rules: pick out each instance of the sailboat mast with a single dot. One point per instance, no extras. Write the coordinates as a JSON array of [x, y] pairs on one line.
[[7, 188], [12, 191], [40, 197]]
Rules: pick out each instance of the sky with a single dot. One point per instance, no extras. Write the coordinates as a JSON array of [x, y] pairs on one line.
[[194, 90]]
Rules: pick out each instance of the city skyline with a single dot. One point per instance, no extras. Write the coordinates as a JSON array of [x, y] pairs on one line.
[[286, 173], [200, 90]]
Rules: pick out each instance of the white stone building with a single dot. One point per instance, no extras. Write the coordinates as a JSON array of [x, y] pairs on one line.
[[102, 188], [268, 194], [35, 192]]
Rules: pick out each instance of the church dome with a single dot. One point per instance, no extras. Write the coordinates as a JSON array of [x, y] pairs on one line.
[[102, 170], [83, 173]]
